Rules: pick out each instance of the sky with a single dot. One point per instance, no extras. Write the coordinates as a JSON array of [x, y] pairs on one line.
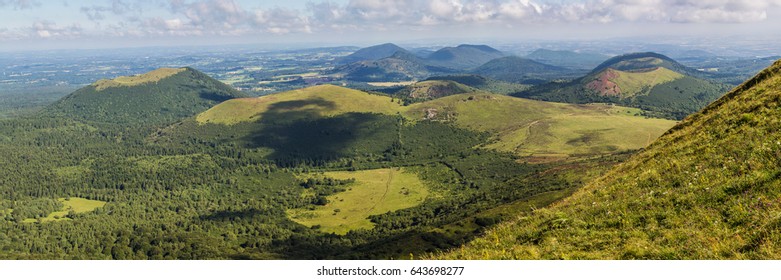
[[66, 24]]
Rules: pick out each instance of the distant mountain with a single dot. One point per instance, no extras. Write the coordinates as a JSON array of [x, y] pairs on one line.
[[372, 53], [401, 66], [520, 70], [707, 189], [463, 56], [378, 64], [160, 96], [649, 81], [567, 59], [644, 61]]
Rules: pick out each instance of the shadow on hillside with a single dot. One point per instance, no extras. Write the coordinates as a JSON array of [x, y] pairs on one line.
[[297, 132]]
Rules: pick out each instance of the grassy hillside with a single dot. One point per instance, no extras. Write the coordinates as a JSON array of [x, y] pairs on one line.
[[520, 126], [535, 128], [707, 189], [161, 96], [628, 84], [483, 83], [649, 81], [318, 101]]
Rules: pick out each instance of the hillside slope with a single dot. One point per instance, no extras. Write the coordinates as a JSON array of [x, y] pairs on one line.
[[160, 96], [649, 81], [707, 189], [524, 127]]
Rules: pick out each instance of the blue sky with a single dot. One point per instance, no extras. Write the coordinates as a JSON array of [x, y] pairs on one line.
[[38, 24]]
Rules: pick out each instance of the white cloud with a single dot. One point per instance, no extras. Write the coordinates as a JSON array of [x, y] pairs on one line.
[[48, 29], [228, 17]]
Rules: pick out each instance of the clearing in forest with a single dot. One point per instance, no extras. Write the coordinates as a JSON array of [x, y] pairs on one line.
[[374, 192]]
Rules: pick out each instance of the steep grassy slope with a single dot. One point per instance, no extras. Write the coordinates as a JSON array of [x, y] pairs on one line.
[[160, 96], [648, 81], [709, 188]]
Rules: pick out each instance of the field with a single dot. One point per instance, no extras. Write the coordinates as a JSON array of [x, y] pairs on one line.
[[324, 100], [374, 192], [75, 204]]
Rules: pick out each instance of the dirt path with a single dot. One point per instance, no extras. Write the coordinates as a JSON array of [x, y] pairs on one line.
[[387, 189]]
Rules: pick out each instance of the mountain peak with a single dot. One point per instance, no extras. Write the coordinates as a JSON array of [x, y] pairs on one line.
[[372, 53], [160, 96], [642, 61]]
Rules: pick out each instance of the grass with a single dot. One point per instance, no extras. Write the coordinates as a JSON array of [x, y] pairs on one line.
[[149, 77], [536, 128], [374, 192], [75, 204], [323, 100], [633, 83], [525, 127], [436, 88], [707, 189]]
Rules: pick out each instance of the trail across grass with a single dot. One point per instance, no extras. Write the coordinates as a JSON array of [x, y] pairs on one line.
[[374, 192]]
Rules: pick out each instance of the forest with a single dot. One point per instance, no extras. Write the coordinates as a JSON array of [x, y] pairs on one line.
[[183, 190]]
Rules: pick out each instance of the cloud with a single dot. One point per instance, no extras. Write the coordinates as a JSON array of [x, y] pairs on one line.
[[19, 4], [50, 30], [228, 18]]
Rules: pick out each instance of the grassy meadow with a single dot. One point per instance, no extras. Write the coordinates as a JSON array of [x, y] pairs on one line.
[[374, 192]]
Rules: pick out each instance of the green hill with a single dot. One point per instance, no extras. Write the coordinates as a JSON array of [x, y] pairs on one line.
[[537, 129], [431, 89], [160, 96], [707, 189], [520, 70], [463, 56], [372, 53], [524, 127], [648, 81], [401, 66], [483, 83]]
